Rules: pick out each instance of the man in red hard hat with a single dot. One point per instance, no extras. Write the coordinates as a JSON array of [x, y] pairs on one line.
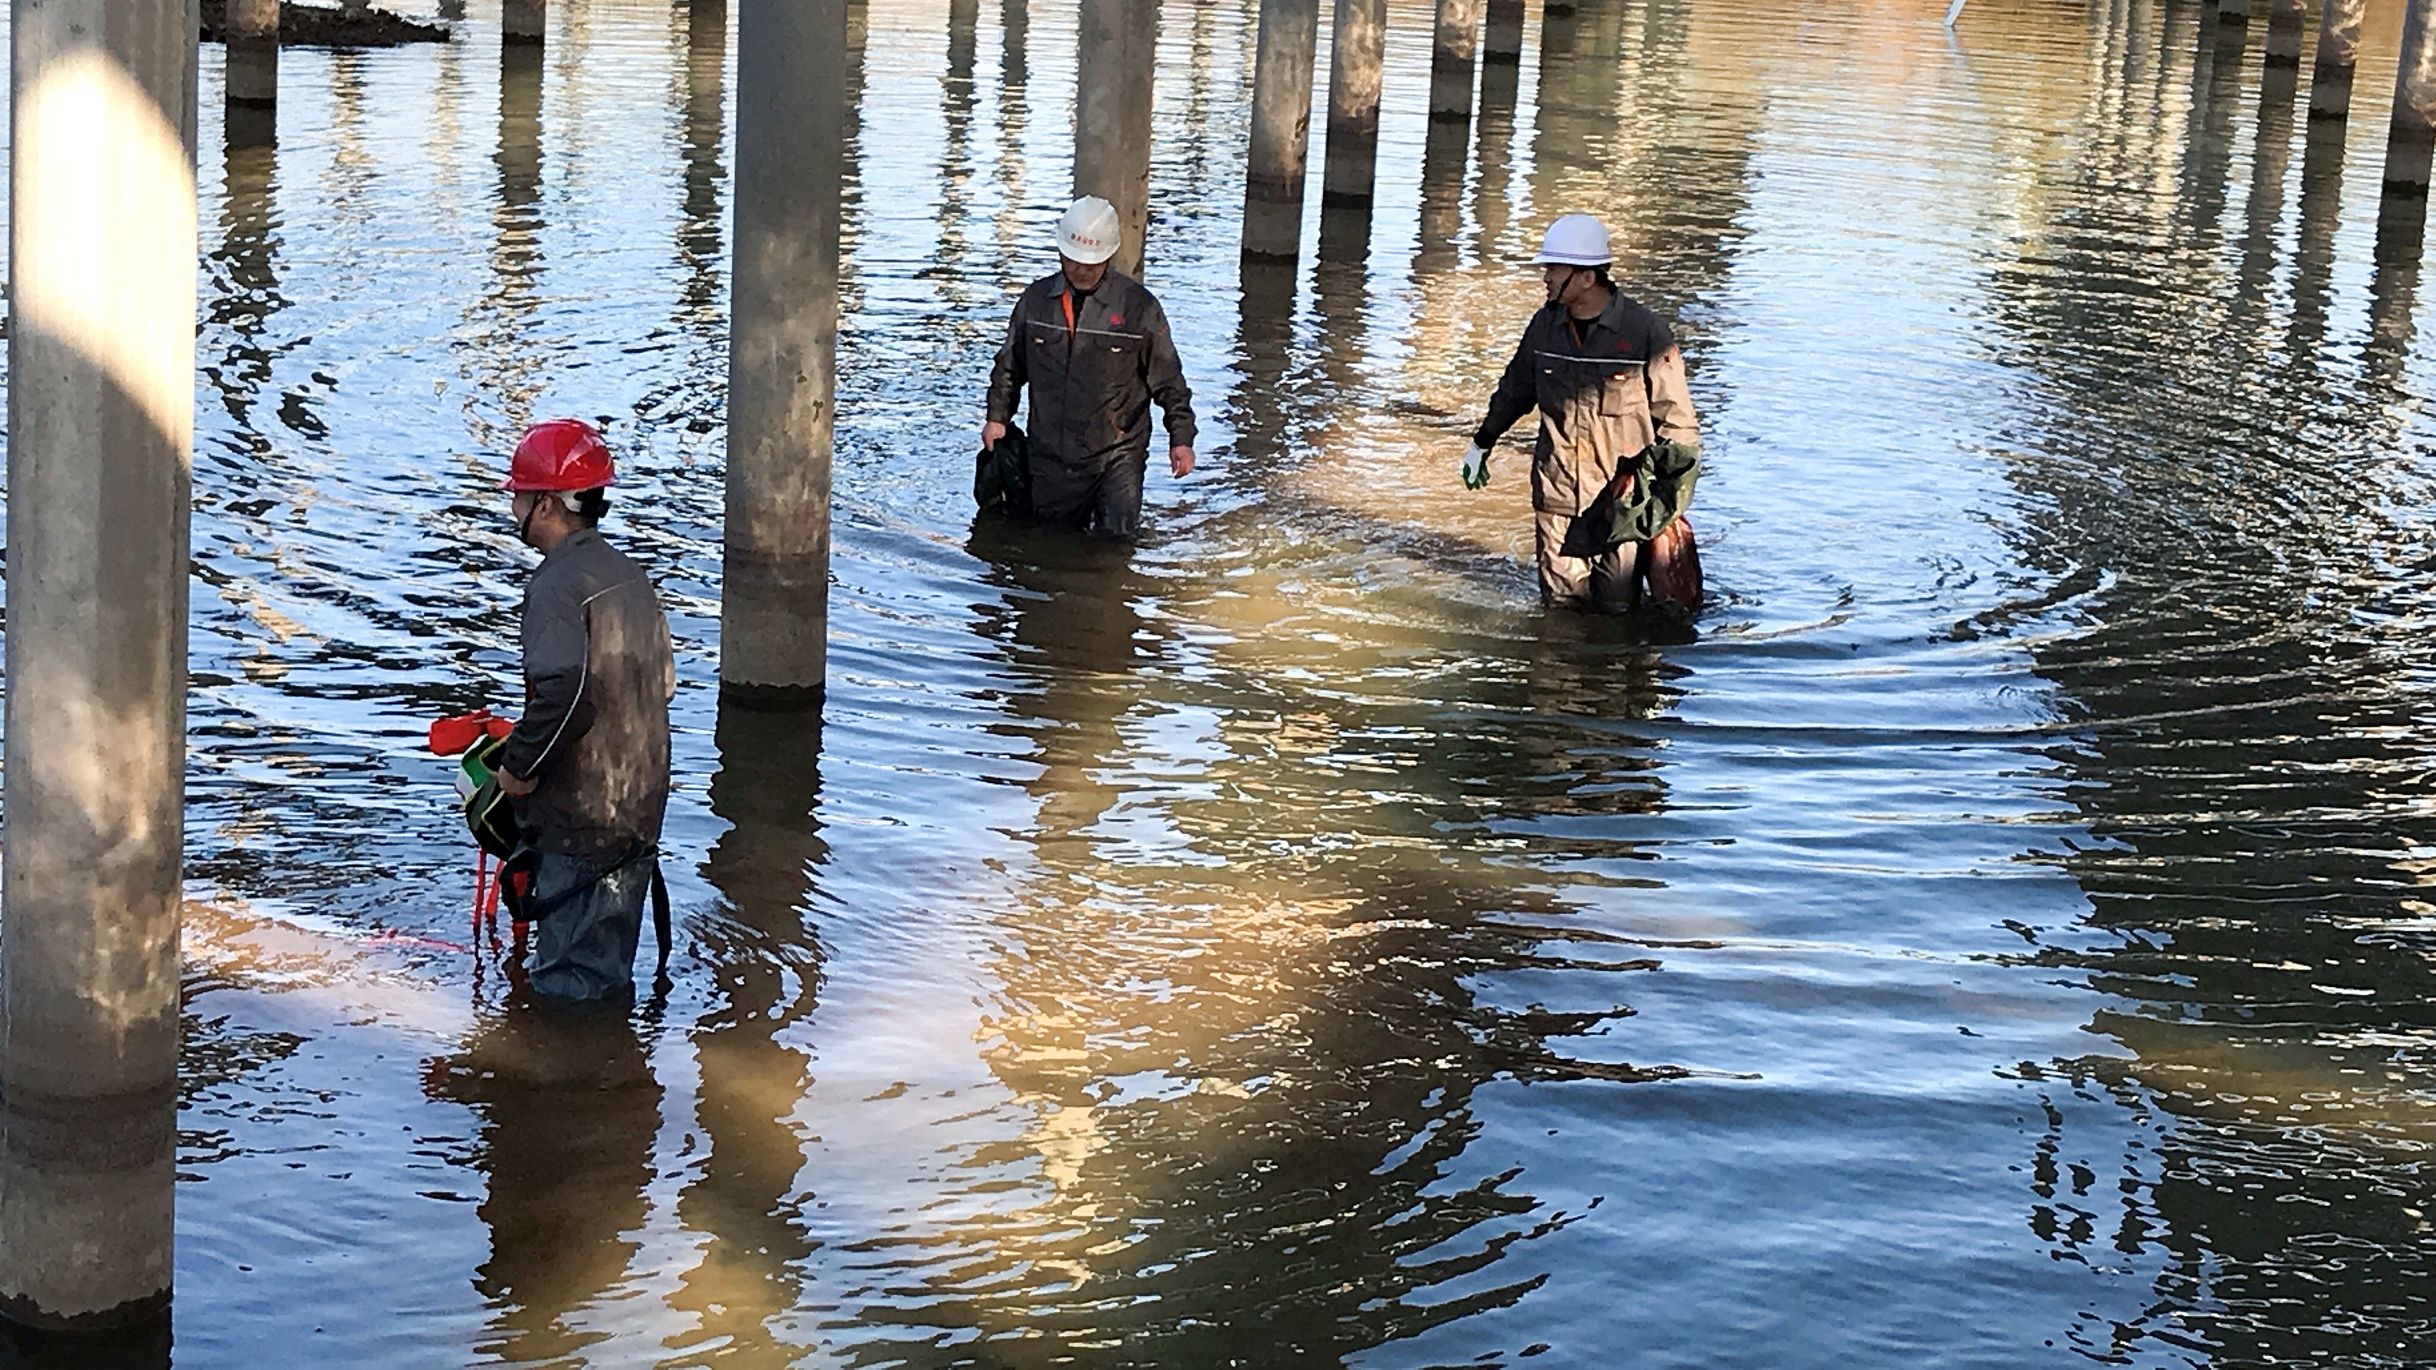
[[588, 762]]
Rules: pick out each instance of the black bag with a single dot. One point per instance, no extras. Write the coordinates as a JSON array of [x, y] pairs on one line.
[[1002, 475], [488, 814]]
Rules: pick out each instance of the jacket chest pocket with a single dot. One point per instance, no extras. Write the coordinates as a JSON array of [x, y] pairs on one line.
[[1620, 391], [1049, 360], [1108, 359]]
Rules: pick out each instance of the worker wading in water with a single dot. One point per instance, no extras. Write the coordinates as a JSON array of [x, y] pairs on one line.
[[1092, 346], [587, 765], [1618, 444]]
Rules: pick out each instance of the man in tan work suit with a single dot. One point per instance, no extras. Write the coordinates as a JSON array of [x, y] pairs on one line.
[[1607, 380]]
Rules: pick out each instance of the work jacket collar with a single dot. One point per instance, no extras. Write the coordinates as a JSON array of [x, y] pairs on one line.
[[572, 542], [1611, 318]]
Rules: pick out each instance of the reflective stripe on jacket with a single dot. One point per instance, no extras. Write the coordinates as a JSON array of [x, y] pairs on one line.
[[1605, 389]]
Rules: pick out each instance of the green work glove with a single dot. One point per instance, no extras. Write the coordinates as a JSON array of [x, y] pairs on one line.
[[1476, 468]]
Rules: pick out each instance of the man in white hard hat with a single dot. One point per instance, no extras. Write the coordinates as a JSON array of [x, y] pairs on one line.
[[1093, 347], [1607, 380]]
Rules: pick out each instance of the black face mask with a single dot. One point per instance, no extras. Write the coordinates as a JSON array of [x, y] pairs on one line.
[[524, 526]]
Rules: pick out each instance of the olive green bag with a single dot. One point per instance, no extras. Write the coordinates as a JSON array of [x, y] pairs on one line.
[[1660, 491]]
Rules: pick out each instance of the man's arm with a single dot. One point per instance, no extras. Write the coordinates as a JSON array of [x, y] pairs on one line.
[[1164, 371], [1670, 395], [558, 707], [1008, 375], [1517, 393]]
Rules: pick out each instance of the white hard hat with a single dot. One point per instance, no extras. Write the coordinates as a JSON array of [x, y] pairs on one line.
[[1575, 240], [1089, 232]]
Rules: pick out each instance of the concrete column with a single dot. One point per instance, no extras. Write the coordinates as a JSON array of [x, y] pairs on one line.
[[2233, 11], [2402, 214], [1450, 67], [1281, 129], [523, 21], [1503, 43], [2338, 56], [1117, 46], [782, 350], [101, 373], [2412, 134], [1353, 102], [2285, 21], [253, 71]]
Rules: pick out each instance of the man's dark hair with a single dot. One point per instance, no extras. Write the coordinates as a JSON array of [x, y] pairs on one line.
[[1604, 278], [592, 506]]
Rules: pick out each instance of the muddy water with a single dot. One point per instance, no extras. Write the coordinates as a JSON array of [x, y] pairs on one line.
[[1998, 937]]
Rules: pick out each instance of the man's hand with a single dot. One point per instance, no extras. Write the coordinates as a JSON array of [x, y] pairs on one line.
[[1180, 460], [515, 785], [1476, 468], [991, 433]]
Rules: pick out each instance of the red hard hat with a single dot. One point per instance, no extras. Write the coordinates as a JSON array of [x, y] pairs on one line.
[[561, 454]]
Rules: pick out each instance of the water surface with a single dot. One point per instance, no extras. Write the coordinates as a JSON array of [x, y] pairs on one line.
[[1998, 937]]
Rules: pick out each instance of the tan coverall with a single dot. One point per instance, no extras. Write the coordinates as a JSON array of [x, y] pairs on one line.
[[1605, 389]]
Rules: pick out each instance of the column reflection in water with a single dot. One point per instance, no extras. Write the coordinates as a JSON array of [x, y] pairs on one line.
[[1263, 407], [2270, 161], [850, 189], [958, 99], [1015, 33], [2215, 105], [1500, 88], [763, 959], [1442, 171], [1009, 229], [248, 260], [511, 365], [703, 142], [2245, 695], [2313, 259]]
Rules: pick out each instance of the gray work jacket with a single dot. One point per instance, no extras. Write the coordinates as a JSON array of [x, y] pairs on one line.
[[1093, 380], [598, 675], [1605, 389]]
